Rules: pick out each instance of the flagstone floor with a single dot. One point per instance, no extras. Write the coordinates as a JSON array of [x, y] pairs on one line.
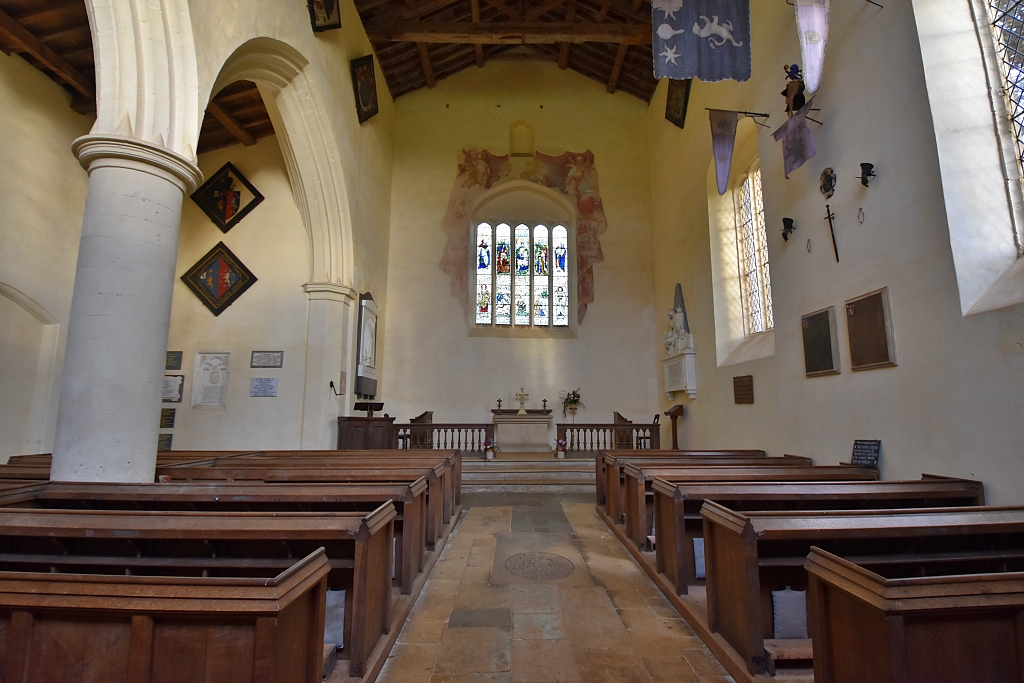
[[533, 588]]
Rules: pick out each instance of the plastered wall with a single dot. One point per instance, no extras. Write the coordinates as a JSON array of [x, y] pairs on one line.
[[42, 195], [953, 404], [430, 361]]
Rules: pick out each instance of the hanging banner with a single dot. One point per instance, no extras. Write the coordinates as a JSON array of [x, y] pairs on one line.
[[812, 24], [723, 139], [797, 141], [705, 39]]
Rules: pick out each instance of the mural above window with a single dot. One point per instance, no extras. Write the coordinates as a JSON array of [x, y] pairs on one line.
[[522, 275]]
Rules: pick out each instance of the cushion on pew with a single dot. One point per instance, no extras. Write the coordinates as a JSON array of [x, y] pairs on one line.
[[334, 618], [698, 557], [790, 610]]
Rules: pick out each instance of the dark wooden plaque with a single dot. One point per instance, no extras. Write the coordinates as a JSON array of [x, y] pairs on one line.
[[167, 418], [821, 345], [174, 360], [866, 453], [743, 389], [164, 442], [870, 331]]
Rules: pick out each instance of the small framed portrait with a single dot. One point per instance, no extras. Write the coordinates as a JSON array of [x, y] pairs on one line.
[[677, 102], [227, 197], [324, 14], [364, 82]]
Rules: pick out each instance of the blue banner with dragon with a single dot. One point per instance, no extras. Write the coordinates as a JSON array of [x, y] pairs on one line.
[[704, 39]]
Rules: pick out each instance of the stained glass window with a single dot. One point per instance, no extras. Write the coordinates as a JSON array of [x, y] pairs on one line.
[[503, 275], [752, 243], [1007, 18], [483, 274], [522, 276]]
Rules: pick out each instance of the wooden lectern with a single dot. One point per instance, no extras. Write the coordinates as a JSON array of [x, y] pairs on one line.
[[367, 433]]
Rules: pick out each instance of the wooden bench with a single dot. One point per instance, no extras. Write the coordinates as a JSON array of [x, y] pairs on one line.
[[409, 501], [880, 625], [678, 522], [618, 480], [264, 626], [207, 545], [602, 476], [750, 555]]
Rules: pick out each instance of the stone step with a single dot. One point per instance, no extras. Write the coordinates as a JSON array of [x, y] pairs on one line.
[[554, 477], [528, 466], [528, 488]]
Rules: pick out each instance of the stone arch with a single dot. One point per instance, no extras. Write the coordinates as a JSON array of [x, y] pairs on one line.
[[308, 145], [531, 201]]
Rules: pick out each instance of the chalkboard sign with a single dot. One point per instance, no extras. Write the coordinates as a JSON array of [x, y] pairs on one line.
[[870, 328], [865, 453], [821, 346]]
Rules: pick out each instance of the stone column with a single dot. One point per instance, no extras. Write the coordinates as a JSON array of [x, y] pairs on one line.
[[327, 342], [111, 387]]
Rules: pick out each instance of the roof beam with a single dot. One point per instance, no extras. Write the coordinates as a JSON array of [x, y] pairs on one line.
[[500, 5], [563, 50], [24, 41], [428, 70], [510, 33], [230, 123], [55, 9], [542, 9], [478, 49], [620, 57]]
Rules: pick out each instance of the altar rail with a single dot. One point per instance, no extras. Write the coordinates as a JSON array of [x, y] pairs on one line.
[[469, 437], [607, 437]]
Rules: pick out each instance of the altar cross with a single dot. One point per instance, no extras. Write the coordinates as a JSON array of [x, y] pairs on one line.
[[522, 396]]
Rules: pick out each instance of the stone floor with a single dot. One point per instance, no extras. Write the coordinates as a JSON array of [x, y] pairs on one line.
[[534, 588]]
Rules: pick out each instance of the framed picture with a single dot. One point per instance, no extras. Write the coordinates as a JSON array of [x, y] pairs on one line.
[[227, 197], [821, 343], [364, 82], [677, 102], [324, 14], [218, 279], [869, 326]]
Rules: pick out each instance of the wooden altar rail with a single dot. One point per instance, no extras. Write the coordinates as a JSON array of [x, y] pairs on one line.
[[469, 437], [608, 437]]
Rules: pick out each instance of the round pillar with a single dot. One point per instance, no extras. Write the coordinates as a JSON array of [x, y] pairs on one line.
[[111, 387]]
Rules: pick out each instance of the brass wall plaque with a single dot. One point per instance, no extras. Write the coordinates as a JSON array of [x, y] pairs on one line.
[[167, 418]]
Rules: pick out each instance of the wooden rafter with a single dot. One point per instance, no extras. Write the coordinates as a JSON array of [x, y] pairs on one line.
[[54, 10], [230, 123], [26, 42], [620, 57], [505, 9], [563, 50], [511, 33], [543, 8], [478, 50], [428, 70]]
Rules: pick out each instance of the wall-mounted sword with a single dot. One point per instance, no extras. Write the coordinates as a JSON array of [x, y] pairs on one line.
[[829, 216]]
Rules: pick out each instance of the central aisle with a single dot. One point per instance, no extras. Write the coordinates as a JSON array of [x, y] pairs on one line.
[[533, 588]]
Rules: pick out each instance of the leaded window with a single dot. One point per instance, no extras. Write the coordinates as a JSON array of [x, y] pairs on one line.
[[1007, 17], [522, 275], [752, 245]]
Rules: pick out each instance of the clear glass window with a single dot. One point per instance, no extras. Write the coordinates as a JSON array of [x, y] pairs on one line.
[[752, 242]]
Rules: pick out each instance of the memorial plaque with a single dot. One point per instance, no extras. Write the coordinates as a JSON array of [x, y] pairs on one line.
[[164, 442], [174, 386], [174, 360], [870, 330], [821, 344], [263, 387], [865, 453], [266, 359], [743, 389], [167, 418], [210, 379]]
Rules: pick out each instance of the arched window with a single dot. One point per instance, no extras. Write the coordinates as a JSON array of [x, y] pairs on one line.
[[1007, 24], [522, 275], [752, 256]]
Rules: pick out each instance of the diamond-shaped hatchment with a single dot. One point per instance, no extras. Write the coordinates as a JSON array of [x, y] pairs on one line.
[[227, 197], [218, 279]]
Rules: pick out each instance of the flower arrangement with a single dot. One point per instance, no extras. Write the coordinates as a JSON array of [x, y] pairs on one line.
[[571, 401], [490, 446], [560, 446]]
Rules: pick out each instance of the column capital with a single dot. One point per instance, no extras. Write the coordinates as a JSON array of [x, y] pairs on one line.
[[330, 291], [98, 151]]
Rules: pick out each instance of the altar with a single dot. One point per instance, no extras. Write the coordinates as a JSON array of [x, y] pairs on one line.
[[515, 432]]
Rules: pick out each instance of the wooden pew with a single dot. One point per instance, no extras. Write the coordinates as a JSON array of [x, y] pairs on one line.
[[677, 518], [263, 626], [208, 472], [602, 456], [205, 544], [618, 479], [879, 625], [749, 555], [408, 499]]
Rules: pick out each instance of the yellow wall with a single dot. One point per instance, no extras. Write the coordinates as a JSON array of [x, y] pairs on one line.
[[42, 192], [953, 404], [430, 361]]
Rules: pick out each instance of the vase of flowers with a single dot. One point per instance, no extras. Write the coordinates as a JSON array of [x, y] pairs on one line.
[[560, 448], [571, 403], [490, 448]]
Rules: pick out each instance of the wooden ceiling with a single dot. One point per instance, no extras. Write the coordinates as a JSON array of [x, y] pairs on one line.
[[418, 42]]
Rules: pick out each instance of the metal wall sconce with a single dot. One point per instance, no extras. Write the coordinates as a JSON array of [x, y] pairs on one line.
[[867, 172], [787, 228]]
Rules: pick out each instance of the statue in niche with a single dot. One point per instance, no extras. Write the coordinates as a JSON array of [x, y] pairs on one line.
[[679, 339]]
